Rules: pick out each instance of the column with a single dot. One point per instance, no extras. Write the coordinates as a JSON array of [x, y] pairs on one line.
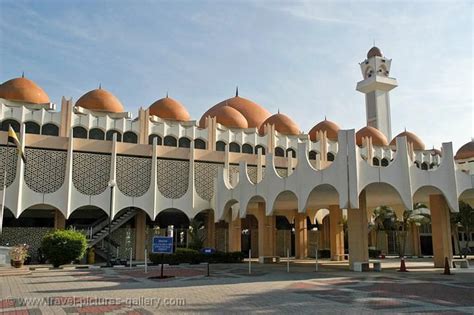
[[266, 232], [358, 232], [59, 220], [301, 236], [211, 230], [415, 233], [440, 230], [235, 235], [337, 233], [140, 235]]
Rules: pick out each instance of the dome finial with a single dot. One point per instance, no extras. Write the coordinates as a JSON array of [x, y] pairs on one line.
[[278, 110], [325, 118], [167, 95], [100, 86], [23, 74], [237, 91]]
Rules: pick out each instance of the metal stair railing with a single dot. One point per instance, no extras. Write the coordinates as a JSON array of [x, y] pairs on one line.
[[99, 235]]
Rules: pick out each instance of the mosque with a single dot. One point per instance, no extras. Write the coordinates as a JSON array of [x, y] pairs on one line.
[[252, 179]]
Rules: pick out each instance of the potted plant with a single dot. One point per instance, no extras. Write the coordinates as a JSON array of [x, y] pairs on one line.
[[18, 254]]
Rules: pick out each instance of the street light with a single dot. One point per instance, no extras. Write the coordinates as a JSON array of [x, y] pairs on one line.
[[112, 184]]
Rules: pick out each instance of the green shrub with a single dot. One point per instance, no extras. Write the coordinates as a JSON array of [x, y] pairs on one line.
[[63, 246]]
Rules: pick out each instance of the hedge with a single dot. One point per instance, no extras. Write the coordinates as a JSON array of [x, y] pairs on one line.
[[191, 256], [63, 246]]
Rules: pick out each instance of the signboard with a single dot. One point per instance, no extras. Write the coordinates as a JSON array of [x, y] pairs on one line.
[[162, 245], [208, 251]]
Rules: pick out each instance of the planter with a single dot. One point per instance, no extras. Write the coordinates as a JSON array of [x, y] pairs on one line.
[[17, 263]]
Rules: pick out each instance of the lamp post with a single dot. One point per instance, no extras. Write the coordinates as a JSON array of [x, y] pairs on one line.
[[112, 184]]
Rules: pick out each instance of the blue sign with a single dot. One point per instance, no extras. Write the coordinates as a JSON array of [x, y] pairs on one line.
[[162, 245], [208, 251]]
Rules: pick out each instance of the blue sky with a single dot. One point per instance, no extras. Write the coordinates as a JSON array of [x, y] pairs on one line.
[[299, 57]]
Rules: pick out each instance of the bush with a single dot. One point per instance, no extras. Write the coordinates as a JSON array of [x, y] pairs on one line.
[[191, 256], [63, 246]]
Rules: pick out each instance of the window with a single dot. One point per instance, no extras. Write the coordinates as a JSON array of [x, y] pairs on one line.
[[184, 142], [130, 137], [330, 157], [110, 134], [96, 134], [50, 130], [312, 155], [260, 147], [200, 144], [153, 136], [375, 162], [234, 147], [424, 166], [79, 132], [247, 148], [10, 122], [279, 151], [170, 141], [291, 153], [32, 127], [384, 162], [220, 146]]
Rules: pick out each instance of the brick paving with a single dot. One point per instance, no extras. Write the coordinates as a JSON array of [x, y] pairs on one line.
[[229, 289]]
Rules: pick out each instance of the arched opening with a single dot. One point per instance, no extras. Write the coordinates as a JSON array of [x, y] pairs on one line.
[[257, 147], [200, 144], [247, 148], [312, 155], [50, 130], [285, 238], [153, 136], [96, 134], [79, 132], [184, 142], [290, 152], [279, 152], [130, 137], [32, 127], [170, 141], [10, 122], [234, 147], [385, 162], [249, 236], [375, 162], [110, 135], [220, 146], [176, 224], [330, 156], [203, 230], [424, 166]]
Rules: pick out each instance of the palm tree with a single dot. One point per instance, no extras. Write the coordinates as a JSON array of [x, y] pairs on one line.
[[383, 220], [418, 215], [196, 234], [465, 219]]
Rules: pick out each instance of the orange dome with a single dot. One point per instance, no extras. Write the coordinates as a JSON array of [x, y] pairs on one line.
[[230, 117], [252, 112], [283, 124], [465, 152], [411, 138], [374, 51], [100, 100], [23, 90], [378, 138], [328, 126], [169, 108]]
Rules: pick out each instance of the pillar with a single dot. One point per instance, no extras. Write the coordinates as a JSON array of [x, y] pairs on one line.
[[301, 236], [440, 230], [358, 232], [211, 230], [266, 232], [415, 233], [336, 231], [140, 235], [59, 220], [235, 235]]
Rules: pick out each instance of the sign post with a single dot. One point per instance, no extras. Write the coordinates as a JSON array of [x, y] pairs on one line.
[[162, 245], [208, 251]]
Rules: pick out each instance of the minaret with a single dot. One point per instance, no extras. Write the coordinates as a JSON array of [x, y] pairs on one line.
[[376, 85]]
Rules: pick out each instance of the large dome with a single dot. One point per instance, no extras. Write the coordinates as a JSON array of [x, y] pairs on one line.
[[252, 112], [378, 138], [23, 90], [230, 117], [331, 129], [283, 124], [411, 138], [465, 152], [374, 51], [100, 100], [169, 108]]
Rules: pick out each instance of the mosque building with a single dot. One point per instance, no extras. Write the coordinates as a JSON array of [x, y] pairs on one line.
[[253, 179]]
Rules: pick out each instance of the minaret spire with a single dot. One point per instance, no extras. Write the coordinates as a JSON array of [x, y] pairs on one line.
[[23, 74], [236, 91], [100, 86]]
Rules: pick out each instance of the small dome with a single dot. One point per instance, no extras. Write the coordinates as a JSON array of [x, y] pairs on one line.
[[100, 100], [374, 51], [465, 152], [230, 117], [411, 138], [169, 108], [330, 127], [252, 112], [378, 138], [23, 90], [283, 124]]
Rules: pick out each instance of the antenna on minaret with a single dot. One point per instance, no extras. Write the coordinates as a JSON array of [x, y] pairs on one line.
[[23, 74], [236, 91]]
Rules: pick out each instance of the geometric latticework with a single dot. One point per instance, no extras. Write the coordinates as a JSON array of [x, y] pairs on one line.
[[252, 173], [11, 159], [133, 175], [45, 170], [283, 172], [204, 175], [173, 178], [90, 172]]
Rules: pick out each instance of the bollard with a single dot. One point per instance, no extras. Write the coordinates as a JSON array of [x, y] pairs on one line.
[[131, 256], [287, 260], [250, 261], [316, 255], [146, 264], [208, 271]]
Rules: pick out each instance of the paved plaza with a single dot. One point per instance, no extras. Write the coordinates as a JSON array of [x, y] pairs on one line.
[[268, 289]]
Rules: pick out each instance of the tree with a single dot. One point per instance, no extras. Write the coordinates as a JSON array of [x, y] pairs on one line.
[[418, 215], [465, 219], [383, 220], [196, 234]]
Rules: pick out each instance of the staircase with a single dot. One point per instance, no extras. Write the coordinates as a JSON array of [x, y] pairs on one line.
[[99, 231]]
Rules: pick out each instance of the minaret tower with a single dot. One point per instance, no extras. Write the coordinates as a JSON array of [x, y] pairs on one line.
[[376, 85]]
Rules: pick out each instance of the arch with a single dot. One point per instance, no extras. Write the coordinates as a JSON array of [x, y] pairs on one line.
[[424, 166], [85, 216], [234, 147], [172, 216], [422, 195], [322, 196], [159, 141], [37, 215], [290, 152], [170, 141], [467, 196], [110, 134], [331, 156], [32, 127], [96, 134], [312, 155], [130, 137], [285, 200], [220, 146], [10, 122], [200, 144], [375, 162], [184, 142], [279, 152], [258, 146], [50, 130], [384, 162], [79, 132], [382, 194], [319, 216], [247, 148]]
